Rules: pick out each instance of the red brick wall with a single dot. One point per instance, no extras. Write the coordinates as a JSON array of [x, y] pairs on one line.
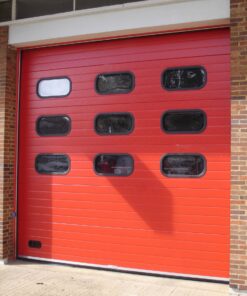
[[7, 144], [238, 269]]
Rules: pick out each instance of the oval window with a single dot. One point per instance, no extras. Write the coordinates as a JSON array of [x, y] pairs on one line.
[[114, 124], [114, 83], [183, 165], [184, 78], [54, 87], [184, 121], [57, 164], [114, 164], [59, 125]]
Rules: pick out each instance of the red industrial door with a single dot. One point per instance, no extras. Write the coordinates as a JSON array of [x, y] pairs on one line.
[[124, 154]]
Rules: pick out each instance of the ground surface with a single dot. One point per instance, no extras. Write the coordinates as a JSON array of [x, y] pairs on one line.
[[36, 279]]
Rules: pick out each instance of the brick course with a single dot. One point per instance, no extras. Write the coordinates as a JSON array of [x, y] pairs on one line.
[[7, 145], [238, 260]]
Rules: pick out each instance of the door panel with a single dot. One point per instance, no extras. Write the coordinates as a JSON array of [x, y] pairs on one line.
[[146, 220]]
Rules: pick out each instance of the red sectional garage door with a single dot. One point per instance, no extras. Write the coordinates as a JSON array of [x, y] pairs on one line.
[[124, 153]]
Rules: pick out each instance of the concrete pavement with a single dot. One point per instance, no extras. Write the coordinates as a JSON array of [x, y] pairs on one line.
[[38, 279]]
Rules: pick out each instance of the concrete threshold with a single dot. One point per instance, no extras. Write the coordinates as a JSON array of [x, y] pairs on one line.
[[43, 279]]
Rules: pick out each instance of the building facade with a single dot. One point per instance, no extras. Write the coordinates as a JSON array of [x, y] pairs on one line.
[[123, 135]]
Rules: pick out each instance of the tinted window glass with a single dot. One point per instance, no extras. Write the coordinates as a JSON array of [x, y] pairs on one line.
[[114, 164], [58, 164], [84, 4], [112, 124], [191, 121], [53, 125], [32, 8], [115, 83], [5, 10], [184, 78], [183, 165], [54, 87]]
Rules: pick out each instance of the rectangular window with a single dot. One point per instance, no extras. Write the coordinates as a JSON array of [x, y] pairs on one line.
[[52, 164], [5, 10], [84, 4], [54, 87], [183, 165], [32, 8], [114, 83], [114, 164], [58, 125], [184, 121], [184, 78], [114, 124]]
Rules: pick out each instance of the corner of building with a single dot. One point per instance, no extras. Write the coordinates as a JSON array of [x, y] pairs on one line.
[[238, 261], [7, 146]]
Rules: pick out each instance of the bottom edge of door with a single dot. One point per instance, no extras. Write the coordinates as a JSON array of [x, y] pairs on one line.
[[131, 270]]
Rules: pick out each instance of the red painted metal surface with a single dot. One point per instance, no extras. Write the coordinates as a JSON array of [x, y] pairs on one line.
[[146, 220]]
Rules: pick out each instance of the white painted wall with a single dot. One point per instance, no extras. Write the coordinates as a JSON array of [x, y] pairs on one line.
[[114, 21]]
